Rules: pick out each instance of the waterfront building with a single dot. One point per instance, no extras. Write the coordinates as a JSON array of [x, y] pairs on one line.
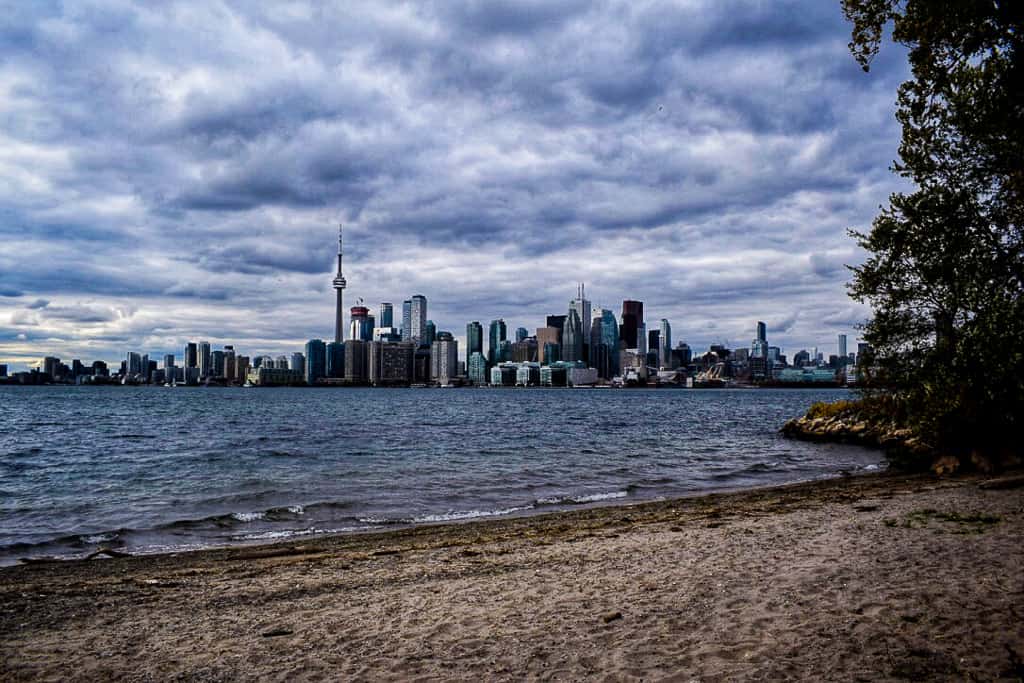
[[504, 375], [444, 359], [274, 377], [521, 334], [339, 284], [51, 366], [497, 334], [528, 375], [3, 369], [205, 355], [547, 336], [407, 320], [841, 343], [390, 363], [335, 360], [553, 375], [806, 375], [665, 345], [600, 353], [418, 319], [216, 363], [191, 355], [169, 373], [229, 362], [641, 339], [99, 369], [298, 361], [356, 361], [474, 338], [430, 334], [582, 307], [387, 315], [316, 360], [572, 337], [610, 338], [653, 344], [632, 318], [242, 368], [421, 365], [476, 368]]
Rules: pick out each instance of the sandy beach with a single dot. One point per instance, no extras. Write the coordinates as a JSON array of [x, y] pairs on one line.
[[880, 577]]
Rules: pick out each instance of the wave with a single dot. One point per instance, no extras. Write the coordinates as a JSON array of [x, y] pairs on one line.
[[582, 499]]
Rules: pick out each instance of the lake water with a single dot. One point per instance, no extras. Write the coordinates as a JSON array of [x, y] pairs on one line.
[[149, 469]]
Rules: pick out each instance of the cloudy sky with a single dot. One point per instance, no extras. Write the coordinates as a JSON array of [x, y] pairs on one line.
[[176, 171]]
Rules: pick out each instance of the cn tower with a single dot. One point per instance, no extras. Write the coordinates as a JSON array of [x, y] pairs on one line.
[[339, 287]]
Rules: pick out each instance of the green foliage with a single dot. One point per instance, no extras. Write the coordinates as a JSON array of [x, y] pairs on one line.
[[833, 409], [945, 274]]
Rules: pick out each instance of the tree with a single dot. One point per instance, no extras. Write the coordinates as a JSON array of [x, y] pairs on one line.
[[945, 272]]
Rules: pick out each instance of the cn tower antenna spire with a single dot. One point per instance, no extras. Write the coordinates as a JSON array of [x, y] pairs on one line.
[[339, 287]]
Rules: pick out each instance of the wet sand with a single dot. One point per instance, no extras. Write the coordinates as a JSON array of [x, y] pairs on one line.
[[865, 578]]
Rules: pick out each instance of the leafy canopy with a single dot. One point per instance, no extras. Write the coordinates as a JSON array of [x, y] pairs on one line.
[[945, 273]]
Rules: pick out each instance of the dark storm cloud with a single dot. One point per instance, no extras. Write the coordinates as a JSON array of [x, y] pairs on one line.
[[192, 160]]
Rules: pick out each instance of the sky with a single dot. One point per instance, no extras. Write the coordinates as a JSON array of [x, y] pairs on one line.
[[177, 171]]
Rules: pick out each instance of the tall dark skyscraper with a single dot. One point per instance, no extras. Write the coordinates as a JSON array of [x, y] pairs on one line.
[[191, 355], [339, 287], [316, 360], [572, 337], [632, 319], [762, 332], [474, 338], [498, 334], [387, 315]]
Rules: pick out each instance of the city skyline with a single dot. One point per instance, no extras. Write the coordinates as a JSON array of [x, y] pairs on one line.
[[164, 190], [416, 318]]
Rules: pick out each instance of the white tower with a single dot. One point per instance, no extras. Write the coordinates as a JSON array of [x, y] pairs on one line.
[[339, 288]]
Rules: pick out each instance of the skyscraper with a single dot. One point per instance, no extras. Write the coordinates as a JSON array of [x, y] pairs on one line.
[[336, 360], [641, 339], [843, 359], [191, 355], [298, 362], [444, 358], [521, 334], [572, 337], [632, 317], [762, 331], [429, 334], [407, 320], [316, 360], [474, 339], [610, 338], [418, 319], [169, 368], [387, 315], [665, 348], [339, 288], [204, 359], [497, 334], [582, 307]]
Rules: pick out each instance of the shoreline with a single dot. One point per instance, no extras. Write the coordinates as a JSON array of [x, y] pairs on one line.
[[855, 576], [518, 511]]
